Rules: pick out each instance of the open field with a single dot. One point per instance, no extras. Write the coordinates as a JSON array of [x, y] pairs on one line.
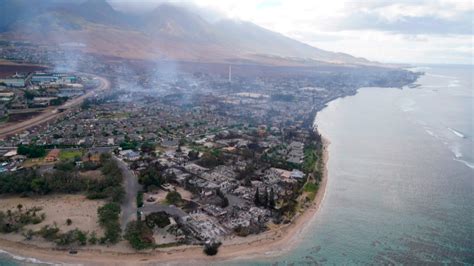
[[59, 208], [65, 155], [9, 68]]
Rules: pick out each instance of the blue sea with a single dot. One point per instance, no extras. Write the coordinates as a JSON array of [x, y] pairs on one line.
[[401, 177]]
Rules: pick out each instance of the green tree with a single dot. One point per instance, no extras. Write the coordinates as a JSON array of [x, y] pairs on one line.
[[109, 220], [212, 248], [173, 197], [159, 219], [147, 147], [139, 235], [31, 151], [271, 202], [257, 198], [265, 197], [93, 238], [140, 199]]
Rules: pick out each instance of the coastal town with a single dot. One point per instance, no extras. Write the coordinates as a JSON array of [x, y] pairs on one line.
[[267, 132], [169, 158]]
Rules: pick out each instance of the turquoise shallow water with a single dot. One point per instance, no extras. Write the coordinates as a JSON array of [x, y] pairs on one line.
[[401, 177]]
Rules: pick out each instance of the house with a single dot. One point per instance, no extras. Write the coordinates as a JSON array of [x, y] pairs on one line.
[[10, 153], [92, 157], [13, 82], [130, 155], [297, 174], [52, 156]]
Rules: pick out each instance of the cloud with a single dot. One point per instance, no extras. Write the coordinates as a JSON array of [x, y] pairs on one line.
[[430, 31], [423, 18]]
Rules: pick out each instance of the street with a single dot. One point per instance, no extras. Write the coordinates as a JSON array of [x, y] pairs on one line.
[[131, 185]]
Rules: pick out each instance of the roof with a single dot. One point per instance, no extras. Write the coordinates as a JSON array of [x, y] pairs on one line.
[[297, 174], [10, 153], [54, 153]]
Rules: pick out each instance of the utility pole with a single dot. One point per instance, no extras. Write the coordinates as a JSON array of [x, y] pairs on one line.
[[230, 73]]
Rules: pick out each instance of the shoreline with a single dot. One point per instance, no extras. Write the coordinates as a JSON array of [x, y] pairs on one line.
[[270, 244]]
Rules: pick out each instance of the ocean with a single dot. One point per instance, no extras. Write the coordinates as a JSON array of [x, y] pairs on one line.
[[401, 177]]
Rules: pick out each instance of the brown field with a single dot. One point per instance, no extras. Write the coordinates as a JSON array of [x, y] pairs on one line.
[[58, 208], [10, 68]]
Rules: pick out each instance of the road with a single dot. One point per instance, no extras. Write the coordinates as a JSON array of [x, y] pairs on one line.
[[129, 205], [51, 113]]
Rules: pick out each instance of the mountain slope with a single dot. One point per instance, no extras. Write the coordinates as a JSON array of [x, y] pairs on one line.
[[167, 32]]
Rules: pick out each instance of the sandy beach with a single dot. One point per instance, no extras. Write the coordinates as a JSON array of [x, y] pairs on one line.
[[272, 243]]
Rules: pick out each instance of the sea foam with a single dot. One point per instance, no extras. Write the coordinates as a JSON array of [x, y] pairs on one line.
[[466, 163], [30, 260], [457, 133]]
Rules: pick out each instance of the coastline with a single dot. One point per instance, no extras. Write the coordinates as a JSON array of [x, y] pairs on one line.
[[270, 244]]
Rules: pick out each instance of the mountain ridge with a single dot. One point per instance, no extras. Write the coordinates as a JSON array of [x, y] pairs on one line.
[[167, 32]]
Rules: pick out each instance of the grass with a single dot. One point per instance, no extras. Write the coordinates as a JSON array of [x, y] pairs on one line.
[[65, 155], [310, 159], [33, 162], [311, 189], [4, 119]]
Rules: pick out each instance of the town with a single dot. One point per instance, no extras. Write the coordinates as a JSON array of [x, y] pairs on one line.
[[200, 158]]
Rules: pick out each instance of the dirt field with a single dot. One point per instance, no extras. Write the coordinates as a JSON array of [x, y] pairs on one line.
[[160, 195], [58, 208]]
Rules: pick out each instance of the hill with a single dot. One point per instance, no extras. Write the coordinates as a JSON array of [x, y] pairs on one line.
[[167, 32]]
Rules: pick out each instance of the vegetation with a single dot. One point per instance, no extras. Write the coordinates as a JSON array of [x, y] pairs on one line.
[[68, 155], [268, 199], [224, 199], [311, 189], [152, 176], [59, 101], [93, 238], [140, 199], [75, 236], [173, 197], [14, 221], [109, 219], [66, 179], [50, 233], [31, 151], [211, 249], [65, 166], [310, 158], [147, 147], [139, 235], [212, 158], [128, 144], [256, 199], [159, 219]]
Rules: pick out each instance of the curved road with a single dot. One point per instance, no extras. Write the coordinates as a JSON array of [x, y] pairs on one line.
[[50, 114]]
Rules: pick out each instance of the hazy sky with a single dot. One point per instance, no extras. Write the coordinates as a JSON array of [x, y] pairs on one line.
[[418, 31]]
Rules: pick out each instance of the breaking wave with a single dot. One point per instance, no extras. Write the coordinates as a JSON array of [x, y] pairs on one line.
[[454, 83], [25, 259], [457, 133], [468, 164]]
